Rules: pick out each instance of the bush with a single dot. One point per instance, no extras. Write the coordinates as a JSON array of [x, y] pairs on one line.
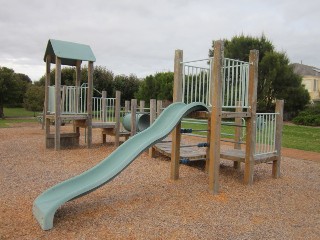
[[309, 117]]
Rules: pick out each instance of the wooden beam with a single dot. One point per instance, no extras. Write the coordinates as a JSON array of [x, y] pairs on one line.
[[153, 113], [159, 107], [177, 97], [278, 140], [58, 104], [251, 122], [177, 85], [117, 119], [141, 106], [133, 117], [104, 106], [208, 148], [216, 81], [89, 103], [46, 100], [175, 153], [78, 81], [237, 135], [127, 106]]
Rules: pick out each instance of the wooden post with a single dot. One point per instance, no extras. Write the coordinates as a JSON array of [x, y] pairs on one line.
[[117, 119], [142, 106], [104, 106], [63, 99], [153, 112], [176, 134], [237, 135], [127, 106], [133, 116], [278, 140], [208, 148], [46, 100], [251, 121], [78, 80], [216, 78], [89, 103], [57, 117], [159, 107]]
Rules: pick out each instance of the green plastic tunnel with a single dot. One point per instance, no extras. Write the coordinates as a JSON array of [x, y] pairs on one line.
[[142, 122]]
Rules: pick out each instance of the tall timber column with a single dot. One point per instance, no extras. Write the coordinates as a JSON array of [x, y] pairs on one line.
[[278, 138], [57, 118], [89, 103], [177, 97], [46, 100], [215, 124], [251, 121]]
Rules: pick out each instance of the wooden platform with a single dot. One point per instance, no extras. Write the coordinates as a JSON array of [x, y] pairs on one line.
[[191, 153], [195, 153], [68, 116]]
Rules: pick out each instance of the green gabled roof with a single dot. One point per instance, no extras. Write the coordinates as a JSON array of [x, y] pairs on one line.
[[69, 52]]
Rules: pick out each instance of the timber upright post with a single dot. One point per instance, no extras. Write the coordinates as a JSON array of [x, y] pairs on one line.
[[104, 106], [57, 118], [177, 97], [117, 119], [133, 116], [153, 113], [251, 121], [237, 135], [278, 140], [89, 103], [77, 85], [46, 100], [215, 124]]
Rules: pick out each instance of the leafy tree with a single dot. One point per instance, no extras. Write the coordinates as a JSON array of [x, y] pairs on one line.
[[128, 85], [24, 82], [11, 88], [34, 98], [276, 78], [158, 86]]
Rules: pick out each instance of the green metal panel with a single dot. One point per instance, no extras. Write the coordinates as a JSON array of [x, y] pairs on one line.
[[69, 52], [47, 203]]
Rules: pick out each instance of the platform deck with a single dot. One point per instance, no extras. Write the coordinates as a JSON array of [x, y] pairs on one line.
[[195, 153]]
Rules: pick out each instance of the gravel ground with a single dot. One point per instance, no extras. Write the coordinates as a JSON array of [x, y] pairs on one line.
[[142, 203]]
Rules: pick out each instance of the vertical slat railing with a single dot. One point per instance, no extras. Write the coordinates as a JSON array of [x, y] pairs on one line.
[[265, 133], [195, 81], [235, 84]]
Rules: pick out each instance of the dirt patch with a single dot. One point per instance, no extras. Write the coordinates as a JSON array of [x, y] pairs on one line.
[[141, 203]]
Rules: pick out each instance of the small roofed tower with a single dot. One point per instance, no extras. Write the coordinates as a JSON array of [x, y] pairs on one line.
[[71, 54]]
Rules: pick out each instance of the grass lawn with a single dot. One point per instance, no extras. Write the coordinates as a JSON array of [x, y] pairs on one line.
[[6, 122], [297, 137], [18, 112], [301, 137]]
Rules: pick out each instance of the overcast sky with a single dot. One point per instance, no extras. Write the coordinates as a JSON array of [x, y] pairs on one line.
[[140, 36]]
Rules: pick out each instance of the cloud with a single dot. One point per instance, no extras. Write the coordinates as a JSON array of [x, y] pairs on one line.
[[140, 36]]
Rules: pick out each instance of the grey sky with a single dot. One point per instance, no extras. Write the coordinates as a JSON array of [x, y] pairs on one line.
[[140, 36]]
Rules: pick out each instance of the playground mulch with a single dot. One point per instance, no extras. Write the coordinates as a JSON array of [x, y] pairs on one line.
[[142, 203]]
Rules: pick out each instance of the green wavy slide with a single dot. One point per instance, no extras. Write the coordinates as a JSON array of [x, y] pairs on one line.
[[47, 203]]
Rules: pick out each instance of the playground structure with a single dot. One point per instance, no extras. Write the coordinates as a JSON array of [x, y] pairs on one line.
[[199, 92], [77, 103], [228, 88]]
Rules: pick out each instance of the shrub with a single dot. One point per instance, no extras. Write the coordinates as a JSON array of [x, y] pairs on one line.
[[309, 117]]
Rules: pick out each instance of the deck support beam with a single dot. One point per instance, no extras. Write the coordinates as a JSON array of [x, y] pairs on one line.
[[251, 121]]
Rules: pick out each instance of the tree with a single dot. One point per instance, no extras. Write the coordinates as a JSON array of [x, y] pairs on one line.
[[276, 78], [34, 98], [10, 88], [158, 86], [128, 85], [23, 82]]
